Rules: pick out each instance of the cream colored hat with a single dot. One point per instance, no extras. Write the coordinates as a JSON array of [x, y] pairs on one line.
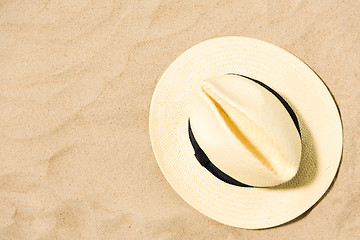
[[245, 132]]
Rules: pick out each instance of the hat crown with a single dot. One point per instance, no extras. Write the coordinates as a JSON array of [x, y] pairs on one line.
[[245, 130]]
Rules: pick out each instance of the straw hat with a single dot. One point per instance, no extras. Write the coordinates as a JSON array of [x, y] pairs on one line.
[[245, 132]]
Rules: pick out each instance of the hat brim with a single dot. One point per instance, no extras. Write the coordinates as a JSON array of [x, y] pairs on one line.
[[318, 115]]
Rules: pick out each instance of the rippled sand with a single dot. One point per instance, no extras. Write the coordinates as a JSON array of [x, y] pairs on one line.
[[76, 80]]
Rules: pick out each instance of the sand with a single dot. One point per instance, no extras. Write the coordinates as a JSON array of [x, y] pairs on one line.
[[75, 88]]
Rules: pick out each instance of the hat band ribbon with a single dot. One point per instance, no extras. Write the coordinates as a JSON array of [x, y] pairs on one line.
[[205, 161]]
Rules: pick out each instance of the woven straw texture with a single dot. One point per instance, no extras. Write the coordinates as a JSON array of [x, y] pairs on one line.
[[313, 104]]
